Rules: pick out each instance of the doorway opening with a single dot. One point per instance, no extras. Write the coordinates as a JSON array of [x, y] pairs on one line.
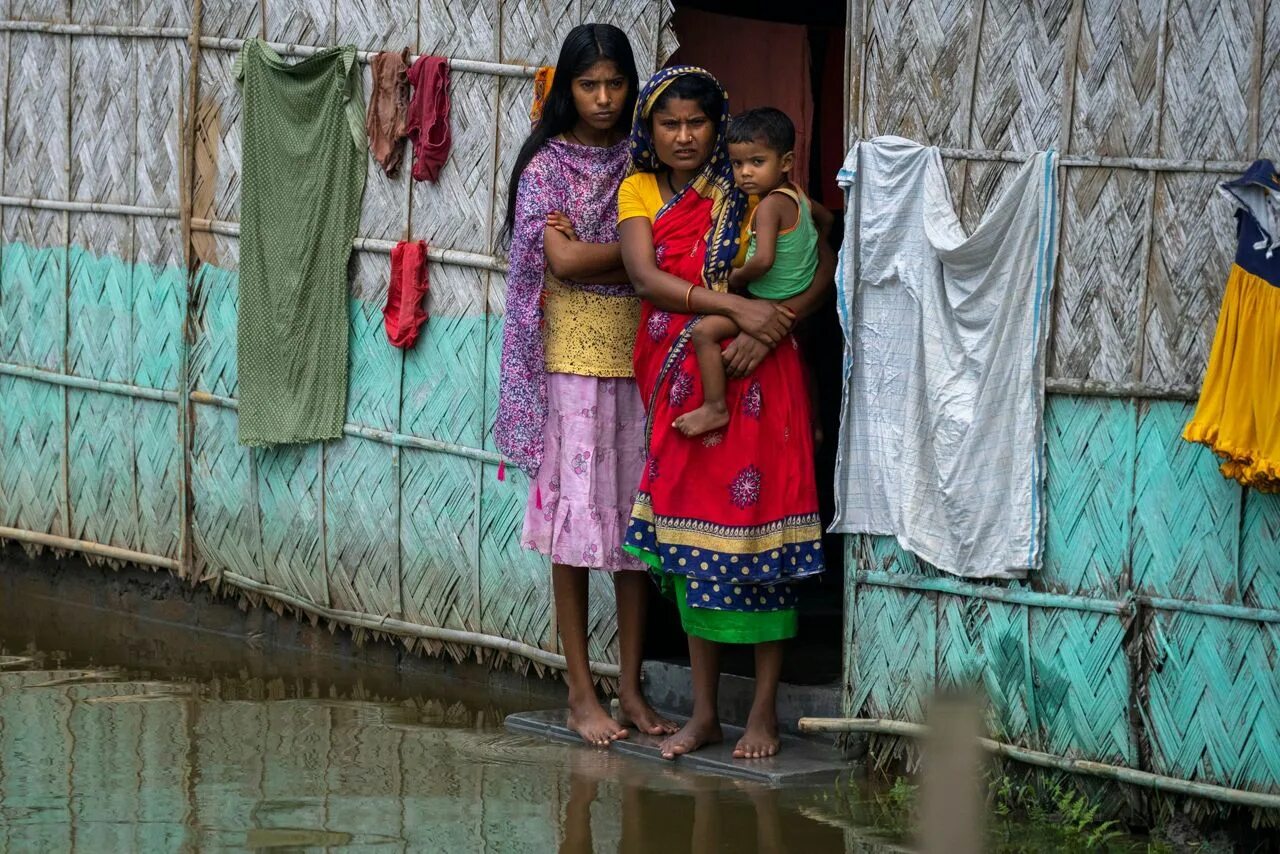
[[790, 56]]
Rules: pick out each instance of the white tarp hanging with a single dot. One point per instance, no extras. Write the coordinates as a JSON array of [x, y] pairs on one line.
[[941, 438]]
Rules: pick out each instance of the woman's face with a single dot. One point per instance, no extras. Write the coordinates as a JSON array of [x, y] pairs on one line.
[[682, 134], [599, 94]]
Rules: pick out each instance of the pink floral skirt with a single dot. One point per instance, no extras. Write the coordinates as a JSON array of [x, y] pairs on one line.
[[593, 454]]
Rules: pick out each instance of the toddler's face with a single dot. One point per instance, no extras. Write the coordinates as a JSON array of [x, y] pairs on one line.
[[757, 168]]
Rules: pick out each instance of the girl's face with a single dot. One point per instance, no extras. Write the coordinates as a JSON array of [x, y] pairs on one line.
[[599, 94], [682, 134]]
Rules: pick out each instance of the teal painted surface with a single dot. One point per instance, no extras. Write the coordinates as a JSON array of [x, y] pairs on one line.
[[1131, 509], [32, 420], [33, 301]]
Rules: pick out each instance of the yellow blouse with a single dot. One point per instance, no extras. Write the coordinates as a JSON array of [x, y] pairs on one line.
[[638, 195], [588, 334]]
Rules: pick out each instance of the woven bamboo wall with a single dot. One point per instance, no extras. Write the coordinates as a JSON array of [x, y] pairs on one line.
[[118, 368], [1151, 637]]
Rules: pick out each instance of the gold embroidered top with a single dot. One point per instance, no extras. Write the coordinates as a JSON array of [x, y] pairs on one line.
[[588, 334]]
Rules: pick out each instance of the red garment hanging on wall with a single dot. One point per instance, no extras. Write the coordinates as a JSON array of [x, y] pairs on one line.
[[406, 294], [428, 119]]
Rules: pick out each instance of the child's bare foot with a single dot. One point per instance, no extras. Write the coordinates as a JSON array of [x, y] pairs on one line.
[[595, 725], [760, 739], [691, 736], [637, 712], [704, 419]]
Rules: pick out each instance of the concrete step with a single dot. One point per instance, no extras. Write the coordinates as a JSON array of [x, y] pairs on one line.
[[800, 762]]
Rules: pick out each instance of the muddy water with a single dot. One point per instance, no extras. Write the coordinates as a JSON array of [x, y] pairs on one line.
[[121, 735]]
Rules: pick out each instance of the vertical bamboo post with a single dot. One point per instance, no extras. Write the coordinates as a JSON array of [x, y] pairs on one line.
[[186, 203]]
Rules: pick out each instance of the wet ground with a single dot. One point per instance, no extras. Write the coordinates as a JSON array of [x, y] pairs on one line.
[[123, 729]]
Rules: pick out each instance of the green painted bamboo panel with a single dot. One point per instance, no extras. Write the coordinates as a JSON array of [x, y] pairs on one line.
[[515, 584], [159, 303], [1260, 551], [373, 390], [289, 502], [894, 657], [1213, 699], [31, 450], [213, 353], [360, 486], [100, 302], [439, 539], [158, 467], [983, 647], [101, 461], [224, 520], [444, 379]]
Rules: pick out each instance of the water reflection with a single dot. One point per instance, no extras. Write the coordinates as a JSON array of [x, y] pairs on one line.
[[98, 757]]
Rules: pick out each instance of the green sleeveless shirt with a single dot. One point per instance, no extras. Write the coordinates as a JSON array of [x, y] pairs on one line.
[[795, 258]]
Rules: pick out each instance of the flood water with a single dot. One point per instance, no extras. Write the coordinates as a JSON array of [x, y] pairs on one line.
[[129, 723]]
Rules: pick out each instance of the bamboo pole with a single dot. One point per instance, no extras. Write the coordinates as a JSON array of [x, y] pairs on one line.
[[391, 625], [88, 547], [87, 207], [1012, 595], [93, 30], [88, 384], [1160, 782], [1145, 164]]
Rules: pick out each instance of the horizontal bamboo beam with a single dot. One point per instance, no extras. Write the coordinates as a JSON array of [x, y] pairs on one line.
[[1102, 388], [88, 384], [401, 627], [93, 30], [1012, 595], [87, 207], [88, 547], [386, 437], [1211, 609], [455, 257], [496, 69], [1146, 164], [1132, 776]]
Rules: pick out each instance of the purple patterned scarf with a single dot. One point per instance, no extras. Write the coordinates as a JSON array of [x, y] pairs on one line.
[[582, 183]]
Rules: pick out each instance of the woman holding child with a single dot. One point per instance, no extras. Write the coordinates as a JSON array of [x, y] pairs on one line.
[[728, 518]]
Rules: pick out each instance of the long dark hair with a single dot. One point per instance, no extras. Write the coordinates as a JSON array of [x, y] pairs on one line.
[[585, 45]]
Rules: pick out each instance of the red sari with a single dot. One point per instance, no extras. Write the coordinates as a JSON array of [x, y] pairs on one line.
[[737, 505]]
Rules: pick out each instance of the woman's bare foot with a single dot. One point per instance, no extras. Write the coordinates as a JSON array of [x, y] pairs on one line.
[[595, 725], [760, 739], [638, 713], [694, 734], [704, 419]]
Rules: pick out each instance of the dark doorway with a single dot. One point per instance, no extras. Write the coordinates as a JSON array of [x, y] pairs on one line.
[[791, 56]]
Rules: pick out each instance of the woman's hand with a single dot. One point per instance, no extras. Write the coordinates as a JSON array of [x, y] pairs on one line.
[[743, 355], [767, 321], [562, 224]]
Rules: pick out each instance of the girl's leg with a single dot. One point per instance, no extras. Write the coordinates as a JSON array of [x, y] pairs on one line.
[[586, 716], [632, 592], [704, 727], [761, 736], [712, 414]]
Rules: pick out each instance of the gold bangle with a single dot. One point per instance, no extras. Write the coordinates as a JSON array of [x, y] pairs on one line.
[[688, 297]]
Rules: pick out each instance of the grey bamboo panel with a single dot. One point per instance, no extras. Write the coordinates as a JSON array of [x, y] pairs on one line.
[[377, 24], [289, 506], [467, 29], [384, 209], [1269, 119], [1018, 104], [33, 288], [1117, 78], [532, 30], [102, 119], [602, 618], [373, 397], [108, 12], [1193, 244], [51, 11], [165, 13], [984, 183], [515, 584], [514, 98], [4, 119], [219, 125], [161, 72], [918, 68], [1103, 262], [1207, 78], [231, 19], [639, 19], [439, 539], [100, 298], [36, 157], [454, 212], [360, 482], [214, 294], [309, 22]]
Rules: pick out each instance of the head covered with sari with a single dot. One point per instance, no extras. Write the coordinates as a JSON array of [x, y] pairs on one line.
[[713, 184]]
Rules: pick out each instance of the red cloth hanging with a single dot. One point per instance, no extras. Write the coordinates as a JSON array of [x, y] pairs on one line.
[[428, 117], [406, 295]]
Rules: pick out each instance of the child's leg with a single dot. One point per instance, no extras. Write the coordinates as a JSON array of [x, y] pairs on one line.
[[761, 736], [704, 726], [712, 414]]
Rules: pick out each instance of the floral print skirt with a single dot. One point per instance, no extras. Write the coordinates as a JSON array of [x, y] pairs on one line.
[[580, 502]]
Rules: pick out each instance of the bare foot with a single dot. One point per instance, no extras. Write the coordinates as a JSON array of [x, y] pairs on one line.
[[638, 713], [704, 419], [594, 724], [760, 739], [691, 736]]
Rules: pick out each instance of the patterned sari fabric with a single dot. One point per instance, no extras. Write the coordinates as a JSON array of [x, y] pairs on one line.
[[728, 519]]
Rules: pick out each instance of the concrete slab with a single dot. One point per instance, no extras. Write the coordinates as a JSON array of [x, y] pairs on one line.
[[801, 761]]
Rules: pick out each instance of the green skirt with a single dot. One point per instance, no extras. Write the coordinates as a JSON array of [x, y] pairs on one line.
[[721, 626]]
